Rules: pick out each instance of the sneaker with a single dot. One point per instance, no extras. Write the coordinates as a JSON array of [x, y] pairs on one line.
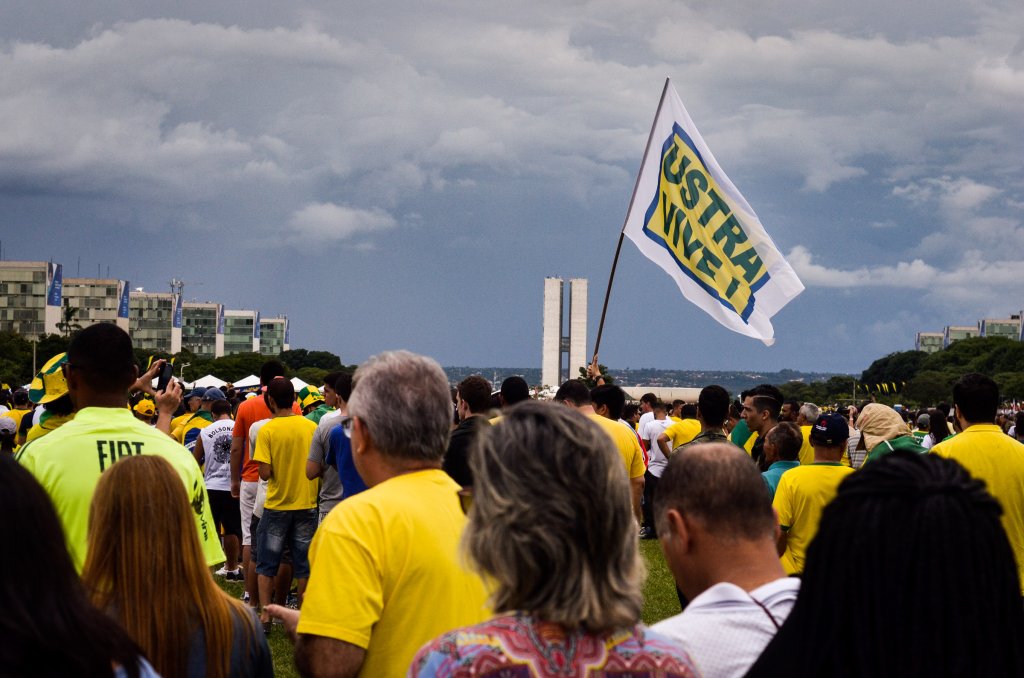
[[234, 575], [647, 533], [245, 597], [222, 572]]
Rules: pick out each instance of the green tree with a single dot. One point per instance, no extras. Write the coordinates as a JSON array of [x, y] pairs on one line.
[[1011, 385], [930, 387], [311, 375], [895, 367], [298, 358], [68, 323]]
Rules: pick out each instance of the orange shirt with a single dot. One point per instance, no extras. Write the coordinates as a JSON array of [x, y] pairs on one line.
[[249, 412]]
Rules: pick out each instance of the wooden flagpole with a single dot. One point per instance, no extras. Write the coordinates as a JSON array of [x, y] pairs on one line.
[[622, 233]]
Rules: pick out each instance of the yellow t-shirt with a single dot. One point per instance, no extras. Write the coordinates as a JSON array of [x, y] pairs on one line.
[[990, 455], [626, 442], [284, 444], [47, 424], [801, 497], [806, 455], [68, 463], [180, 420], [749, 445], [682, 432], [387, 572], [807, 451]]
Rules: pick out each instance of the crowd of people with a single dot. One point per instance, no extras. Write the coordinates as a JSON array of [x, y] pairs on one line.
[[391, 525]]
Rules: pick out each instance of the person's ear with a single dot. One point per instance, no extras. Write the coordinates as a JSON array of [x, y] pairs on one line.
[[680, 530], [361, 438]]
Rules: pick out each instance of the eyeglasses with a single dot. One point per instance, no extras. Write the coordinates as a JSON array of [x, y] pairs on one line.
[[346, 426], [465, 499]]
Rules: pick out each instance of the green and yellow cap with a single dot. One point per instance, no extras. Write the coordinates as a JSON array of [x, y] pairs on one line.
[[309, 395], [49, 383]]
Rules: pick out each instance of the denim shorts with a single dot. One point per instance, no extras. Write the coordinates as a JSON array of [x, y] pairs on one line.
[[277, 528]]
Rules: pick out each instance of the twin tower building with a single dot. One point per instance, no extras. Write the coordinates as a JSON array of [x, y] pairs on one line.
[[555, 343]]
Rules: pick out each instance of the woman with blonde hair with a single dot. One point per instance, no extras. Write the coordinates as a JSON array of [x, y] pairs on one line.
[[145, 567], [48, 626], [551, 528]]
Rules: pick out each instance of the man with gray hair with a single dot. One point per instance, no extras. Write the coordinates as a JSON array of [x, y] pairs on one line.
[[386, 570], [718, 533], [805, 418]]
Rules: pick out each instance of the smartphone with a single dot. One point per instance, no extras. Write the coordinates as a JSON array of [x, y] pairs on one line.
[[166, 374]]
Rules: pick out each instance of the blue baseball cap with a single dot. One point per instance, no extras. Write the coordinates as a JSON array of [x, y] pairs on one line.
[[830, 430], [197, 392]]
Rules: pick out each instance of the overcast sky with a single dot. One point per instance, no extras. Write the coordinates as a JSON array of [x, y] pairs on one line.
[[404, 174]]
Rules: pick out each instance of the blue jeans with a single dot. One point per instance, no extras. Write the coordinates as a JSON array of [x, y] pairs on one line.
[[279, 527]]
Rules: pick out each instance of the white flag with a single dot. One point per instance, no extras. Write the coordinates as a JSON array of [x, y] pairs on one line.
[[687, 217]]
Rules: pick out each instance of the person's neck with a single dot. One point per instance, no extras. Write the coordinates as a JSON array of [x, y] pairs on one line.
[[743, 563], [84, 399], [704, 428], [586, 409], [768, 425], [828, 455], [386, 469], [282, 413]]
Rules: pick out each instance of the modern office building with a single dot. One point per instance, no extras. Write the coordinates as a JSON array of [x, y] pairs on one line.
[[241, 332], [202, 329], [954, 333], [154, 320], [1009, 328], [35, 298], [553, 343], [273, 335], [929, 342], [97, 300], [30, 297]]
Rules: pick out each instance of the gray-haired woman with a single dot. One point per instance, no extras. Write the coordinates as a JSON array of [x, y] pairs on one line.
[[551, 527]]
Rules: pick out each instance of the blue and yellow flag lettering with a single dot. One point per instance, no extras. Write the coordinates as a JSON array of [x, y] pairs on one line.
[[690, 218]]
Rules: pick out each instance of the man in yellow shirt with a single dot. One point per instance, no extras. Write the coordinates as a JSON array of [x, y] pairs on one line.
[[988, 454], [575, 394], [387, 571], [804, 491], [289, 512], [681, 431], [100, 369]]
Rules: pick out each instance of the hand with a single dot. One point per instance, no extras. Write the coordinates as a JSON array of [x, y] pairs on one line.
[[236, 487], [168, 401], [288, 616], [593, 371], [145, 382]]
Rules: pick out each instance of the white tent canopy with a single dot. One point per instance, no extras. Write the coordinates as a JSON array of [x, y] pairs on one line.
[[298, 384], [208, 381], [251, 380]]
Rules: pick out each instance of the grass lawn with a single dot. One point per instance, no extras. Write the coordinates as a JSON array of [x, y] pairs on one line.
[[659, 602]]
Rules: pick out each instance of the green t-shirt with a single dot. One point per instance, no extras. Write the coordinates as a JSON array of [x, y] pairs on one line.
[[740, 433], [316, 415], [68, 463], [906, 443]]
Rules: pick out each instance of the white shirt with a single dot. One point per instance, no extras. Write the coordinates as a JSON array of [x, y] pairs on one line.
[[654, 428], [217, 452], [644, 418], [725, 631]]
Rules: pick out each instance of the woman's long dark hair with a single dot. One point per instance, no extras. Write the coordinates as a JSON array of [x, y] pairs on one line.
[[911, 574], [938, 428], [48, 626]]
